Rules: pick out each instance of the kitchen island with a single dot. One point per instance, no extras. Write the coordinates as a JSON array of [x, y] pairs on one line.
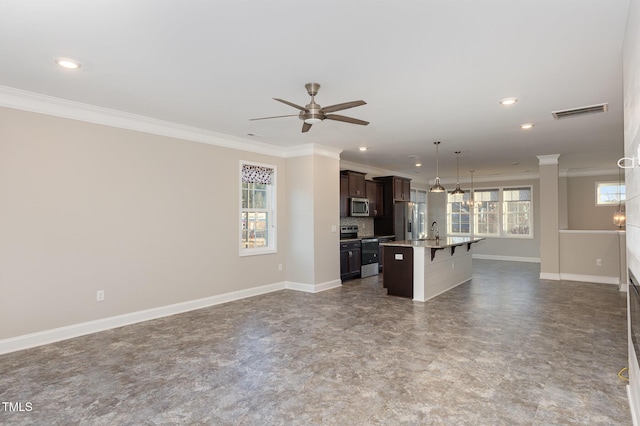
[[423, 269]]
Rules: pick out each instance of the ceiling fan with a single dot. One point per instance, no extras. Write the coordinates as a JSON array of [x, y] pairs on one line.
[[313, 113]]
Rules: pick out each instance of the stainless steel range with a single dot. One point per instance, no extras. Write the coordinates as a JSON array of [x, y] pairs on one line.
[[369, 250], [369, 263]]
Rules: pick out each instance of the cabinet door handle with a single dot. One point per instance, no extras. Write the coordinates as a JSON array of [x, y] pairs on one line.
[[350, 254]]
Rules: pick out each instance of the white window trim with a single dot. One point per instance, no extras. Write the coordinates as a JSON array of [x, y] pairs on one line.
[[273, 247], [448, 214], [608, 182], [501, 233], [531, 221]]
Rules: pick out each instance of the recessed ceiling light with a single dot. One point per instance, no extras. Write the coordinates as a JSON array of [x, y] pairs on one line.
[[418, 164], [508, 101], [526, 126], [68, 63], [363, 148]]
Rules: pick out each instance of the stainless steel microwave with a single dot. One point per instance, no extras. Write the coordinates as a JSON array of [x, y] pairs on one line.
[[359, 207]]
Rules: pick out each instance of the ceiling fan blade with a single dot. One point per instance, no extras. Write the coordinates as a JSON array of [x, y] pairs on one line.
[[290, 104], [277, 116], [305, 127], [345, 105], [347, 119]]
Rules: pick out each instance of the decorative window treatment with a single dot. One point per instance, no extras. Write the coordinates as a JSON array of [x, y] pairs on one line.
[[257, 174], [257, 209]]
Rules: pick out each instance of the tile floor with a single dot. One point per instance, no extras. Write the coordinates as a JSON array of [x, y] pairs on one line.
[[503, 349]]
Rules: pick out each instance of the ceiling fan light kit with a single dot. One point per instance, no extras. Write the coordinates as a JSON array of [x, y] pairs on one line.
[[313, 113]]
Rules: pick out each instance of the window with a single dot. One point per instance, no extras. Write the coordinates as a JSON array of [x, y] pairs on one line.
[[516, 210], [419, 198], [257, 209], [458, 214], [608, 193], [497, 212], [486, 214]]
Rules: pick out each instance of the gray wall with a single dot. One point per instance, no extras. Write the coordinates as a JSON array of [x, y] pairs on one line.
[[583, 213], [149, 219]]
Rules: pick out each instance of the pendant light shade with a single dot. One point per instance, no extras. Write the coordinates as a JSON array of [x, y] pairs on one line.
[[458, 191], [437, 187]]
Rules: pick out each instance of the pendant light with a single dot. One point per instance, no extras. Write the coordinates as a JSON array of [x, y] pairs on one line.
[[437, 187], [620, 216], [472, 206], [457, 191], [470, 202]]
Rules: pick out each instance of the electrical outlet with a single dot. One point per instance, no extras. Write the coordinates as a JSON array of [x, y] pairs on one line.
[[334, 228], [598, 262], [100, 296], [279, 266]]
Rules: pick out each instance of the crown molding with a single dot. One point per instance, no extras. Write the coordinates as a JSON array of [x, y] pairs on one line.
[[58, 107], [588, 172], [312, 149], [376, 171], [546, 160]]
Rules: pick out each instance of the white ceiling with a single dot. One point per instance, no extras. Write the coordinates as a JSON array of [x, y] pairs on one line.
[[429, 70]]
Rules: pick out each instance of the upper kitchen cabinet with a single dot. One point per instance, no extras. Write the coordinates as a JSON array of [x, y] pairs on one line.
[[374, 193], [399, 187], [356, 185], [344, 196]]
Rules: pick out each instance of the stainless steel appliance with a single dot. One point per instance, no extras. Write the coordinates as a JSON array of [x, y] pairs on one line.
[[407, 222], [369, 250], [369, 256], [348, 232], [358, 207]]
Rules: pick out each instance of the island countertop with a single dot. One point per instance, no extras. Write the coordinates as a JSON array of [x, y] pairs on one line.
[[431, 243]]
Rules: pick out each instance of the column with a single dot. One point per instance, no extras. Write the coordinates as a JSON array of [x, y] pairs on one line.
[[549, 217]]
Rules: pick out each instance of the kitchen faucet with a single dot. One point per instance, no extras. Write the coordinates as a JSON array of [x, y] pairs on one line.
[[434, 228]]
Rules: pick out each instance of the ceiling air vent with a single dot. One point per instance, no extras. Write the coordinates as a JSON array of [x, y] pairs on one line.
[[574, 112]]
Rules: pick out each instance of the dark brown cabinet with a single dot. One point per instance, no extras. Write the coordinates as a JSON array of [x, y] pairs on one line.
[[350, 253], [401, 189], [381, 251], [395, 190], [374, 193], [344, 196], [398, 271], [356, 187]]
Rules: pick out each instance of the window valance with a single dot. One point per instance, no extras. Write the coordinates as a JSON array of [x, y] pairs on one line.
[[257, 174]]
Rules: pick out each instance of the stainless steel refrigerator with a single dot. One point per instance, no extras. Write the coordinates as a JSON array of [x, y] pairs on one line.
[[409, 220]]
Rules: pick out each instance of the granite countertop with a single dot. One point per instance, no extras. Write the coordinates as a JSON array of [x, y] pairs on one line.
[[431, 243], [346, 240]]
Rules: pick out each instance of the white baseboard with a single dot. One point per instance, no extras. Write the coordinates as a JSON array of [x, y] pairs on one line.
[[549, 276], [62, 333], [632, 407], [76, 330], [624, 287], [507, 258], [313, 288], [590, 278]]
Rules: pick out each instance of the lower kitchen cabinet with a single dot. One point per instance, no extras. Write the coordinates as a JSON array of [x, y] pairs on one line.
[[350, 253], [398, 271], [381, 251]]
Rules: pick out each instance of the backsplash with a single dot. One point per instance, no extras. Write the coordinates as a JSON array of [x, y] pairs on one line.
[[365, 225]]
